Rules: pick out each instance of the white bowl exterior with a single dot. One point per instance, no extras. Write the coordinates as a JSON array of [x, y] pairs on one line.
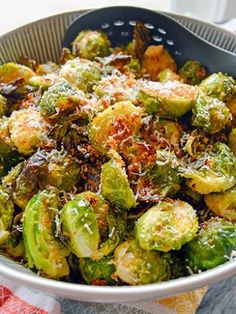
[[42, 40]]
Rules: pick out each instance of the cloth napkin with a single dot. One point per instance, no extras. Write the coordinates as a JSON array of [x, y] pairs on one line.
[[15, 299]]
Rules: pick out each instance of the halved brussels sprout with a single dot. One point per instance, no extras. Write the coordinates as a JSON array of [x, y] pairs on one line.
[[210, 114], [6, 214], [42, 82], [10, 72], [155, 60], [28, 130], [115, 184], [42, 249], [118, 88], [47, 68], [167, 226], [82, 73], [114, 125], [169, 99], [192, 72], [214, 245], [60, 99], [232, 141], [3, 106], [213, 172], [82, 219], [90, 44], [223, 204], [167, 75], [136, 266], [97, 272], [219, 85]]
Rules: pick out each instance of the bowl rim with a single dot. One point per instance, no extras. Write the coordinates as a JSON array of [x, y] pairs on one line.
[[119, 293]]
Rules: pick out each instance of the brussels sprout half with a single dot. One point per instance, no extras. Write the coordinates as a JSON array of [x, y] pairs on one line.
[[192, 72], [136, 266], [60, 99], [232, 141], [169, 99], [223, 204], [105, 129], [81, 73], [10, 72], [6, 214], [213, 245], [115, 185], [219, 86], [42, 249], [210, 114], [213, 172], [90, 44], [166, 226]]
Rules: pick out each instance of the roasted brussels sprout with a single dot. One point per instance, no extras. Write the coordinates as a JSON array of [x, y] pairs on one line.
[[138, 267], [232, 141], [214, 245], [97, 272], [167, 226], [192, 72], [10, 72], [170, 130], [210, 114], [219, 86], [231, 104], [60, 99], [169, 99], [115, 185], [82, 219], [28, 130], [3, 106], [83, 74], [114, 125], [43, 250], [42, 82], [90, 44], [223, 204], [213, 172], [6, 214], [155, 60]]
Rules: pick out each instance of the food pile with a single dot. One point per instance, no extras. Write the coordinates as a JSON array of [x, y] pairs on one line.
[[117, 167]]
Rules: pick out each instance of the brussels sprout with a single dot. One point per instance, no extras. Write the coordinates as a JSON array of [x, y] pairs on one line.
[[28, 130], [223, 204], [115, 185], [136, 266], [219, 86], [213, 172], [213, 245], [210, 114], [167, 226], [6, 214], [60, 99], [232, 141], [81, 219], [63, 170], [167, 75], [84, 74], [43, 82], [168, 99], [231, 104], [192, 72], [118, 88], [155, 60], [47, 68], [3, 106], [95, 272], [90, 44], [10, 72], [42, 249], [196, 143], [114, 125]]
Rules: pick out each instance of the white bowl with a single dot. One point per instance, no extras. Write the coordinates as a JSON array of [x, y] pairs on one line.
[[42, 40]]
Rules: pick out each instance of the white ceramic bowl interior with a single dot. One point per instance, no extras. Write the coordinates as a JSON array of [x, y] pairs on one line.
[[41, 40]]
